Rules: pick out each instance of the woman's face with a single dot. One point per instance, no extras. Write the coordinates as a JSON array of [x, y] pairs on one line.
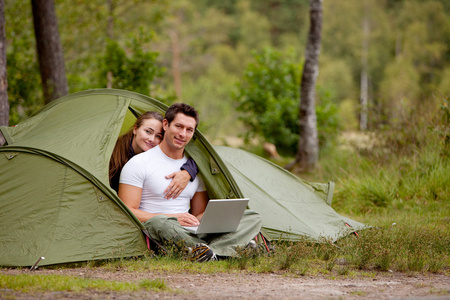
[[147, 136]]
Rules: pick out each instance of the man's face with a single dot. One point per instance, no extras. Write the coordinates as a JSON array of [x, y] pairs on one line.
[[178, 134]]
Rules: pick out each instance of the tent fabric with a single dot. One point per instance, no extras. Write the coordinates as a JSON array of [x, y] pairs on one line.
[[291, 208], [56, 202], [63, 219]]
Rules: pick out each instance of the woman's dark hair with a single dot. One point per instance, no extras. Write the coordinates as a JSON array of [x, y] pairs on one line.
[[120, 154]]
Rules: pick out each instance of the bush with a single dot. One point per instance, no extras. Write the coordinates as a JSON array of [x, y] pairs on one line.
[[133, 71], [269, 96]]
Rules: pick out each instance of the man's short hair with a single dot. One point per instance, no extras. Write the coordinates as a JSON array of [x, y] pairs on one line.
[[183, 108]]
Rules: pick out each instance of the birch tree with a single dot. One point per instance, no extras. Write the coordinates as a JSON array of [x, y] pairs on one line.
[[308, 145]]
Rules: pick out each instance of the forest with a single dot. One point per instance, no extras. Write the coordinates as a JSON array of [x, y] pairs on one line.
[[392, 53], [383, 123]]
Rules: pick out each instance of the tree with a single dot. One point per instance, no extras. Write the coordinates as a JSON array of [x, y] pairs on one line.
[[132, 68], [4, 104], [185, 40], [308, 145], [364, 69], [268, 95], [49, 49]]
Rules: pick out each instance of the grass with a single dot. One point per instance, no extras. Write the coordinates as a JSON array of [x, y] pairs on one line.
[[401, 187], [29, 283], [406, 245]]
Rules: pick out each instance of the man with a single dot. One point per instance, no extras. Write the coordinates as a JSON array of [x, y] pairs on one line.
[[142, 189]]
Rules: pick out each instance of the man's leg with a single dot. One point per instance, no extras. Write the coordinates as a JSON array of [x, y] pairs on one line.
[[225, 244], [167, 230]]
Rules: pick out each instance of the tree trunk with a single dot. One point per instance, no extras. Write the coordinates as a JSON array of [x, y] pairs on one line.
[[51, 59], [364, 70], [4, 104], [176, 61], [308, 146], [110, 34]]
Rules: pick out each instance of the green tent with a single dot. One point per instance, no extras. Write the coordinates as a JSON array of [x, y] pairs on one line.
[[56, 203]]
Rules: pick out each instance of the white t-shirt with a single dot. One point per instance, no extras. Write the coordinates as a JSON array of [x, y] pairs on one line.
[[147, 170]]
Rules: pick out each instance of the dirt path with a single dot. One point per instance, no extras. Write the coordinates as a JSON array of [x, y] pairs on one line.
[[255, 286]]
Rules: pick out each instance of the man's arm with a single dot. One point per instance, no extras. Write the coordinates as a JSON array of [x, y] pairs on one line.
[[131, 196], [198, 204]]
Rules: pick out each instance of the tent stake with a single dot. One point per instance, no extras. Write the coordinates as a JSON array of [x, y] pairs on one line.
[[34, 267]]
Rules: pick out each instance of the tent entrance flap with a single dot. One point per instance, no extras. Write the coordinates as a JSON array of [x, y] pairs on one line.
[[130, 118], [133, 112], [4, 132]]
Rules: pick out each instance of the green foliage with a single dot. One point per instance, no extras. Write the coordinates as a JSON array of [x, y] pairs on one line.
[[209, 108], [443, 129], [348, 114], [254, 28], [328, 121], [404, 182], [134, 71], [269, 97], [407, 50], [407, 55], [401, 82], [24, 81], [335, 77], [400, 169], [411, 246], [24, 90]]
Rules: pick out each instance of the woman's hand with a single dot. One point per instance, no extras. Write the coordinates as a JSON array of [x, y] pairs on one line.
[[179, 182]]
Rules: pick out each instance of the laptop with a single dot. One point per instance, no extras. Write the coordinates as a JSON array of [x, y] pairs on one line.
[[221, 215]]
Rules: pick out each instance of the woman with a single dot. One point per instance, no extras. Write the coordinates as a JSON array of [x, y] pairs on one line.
[[145, 134]]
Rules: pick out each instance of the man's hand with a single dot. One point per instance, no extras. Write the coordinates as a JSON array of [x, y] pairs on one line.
[[185, 219], [179, 182]]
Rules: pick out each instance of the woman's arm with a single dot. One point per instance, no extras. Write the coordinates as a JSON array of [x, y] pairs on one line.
[[181, 179], [191, 167]]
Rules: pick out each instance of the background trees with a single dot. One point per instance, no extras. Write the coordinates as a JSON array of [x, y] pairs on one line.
[[268, 95], [308, 146], [4, 104], [403, 53], [50, 54]]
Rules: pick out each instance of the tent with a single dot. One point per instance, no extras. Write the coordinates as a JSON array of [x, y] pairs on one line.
[[55, 200]]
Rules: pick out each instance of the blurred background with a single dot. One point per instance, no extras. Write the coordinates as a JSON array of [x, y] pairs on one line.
[[240, 62]]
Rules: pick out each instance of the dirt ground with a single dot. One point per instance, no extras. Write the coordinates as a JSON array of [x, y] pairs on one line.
[[253, 286]]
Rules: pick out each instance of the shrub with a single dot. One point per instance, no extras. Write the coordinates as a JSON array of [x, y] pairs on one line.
[[269, 98]]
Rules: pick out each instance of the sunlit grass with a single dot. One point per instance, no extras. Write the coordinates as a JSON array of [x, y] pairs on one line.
[[45, 283], [406, 245]]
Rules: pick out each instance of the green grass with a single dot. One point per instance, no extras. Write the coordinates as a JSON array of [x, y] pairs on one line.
[[408, 245], [51, 283]]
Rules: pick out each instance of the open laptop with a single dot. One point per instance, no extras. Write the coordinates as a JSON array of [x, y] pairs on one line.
[[221, 215]]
